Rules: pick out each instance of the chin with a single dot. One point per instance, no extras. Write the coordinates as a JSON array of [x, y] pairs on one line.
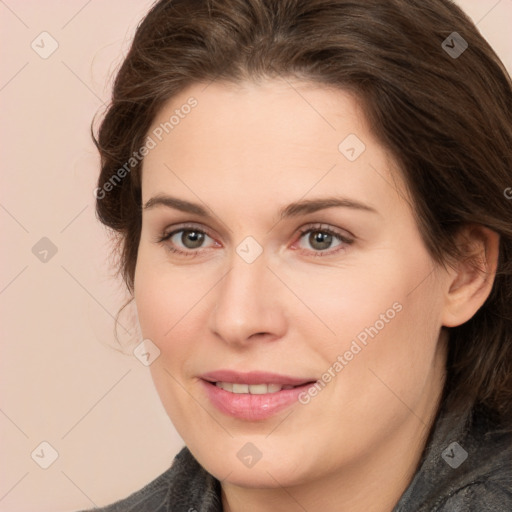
[[279, 470], [257, 478]]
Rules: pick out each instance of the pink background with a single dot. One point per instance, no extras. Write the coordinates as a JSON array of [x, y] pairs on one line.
[[63, 378]]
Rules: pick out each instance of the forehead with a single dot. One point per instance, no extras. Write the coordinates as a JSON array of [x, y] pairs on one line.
[[281, 137]]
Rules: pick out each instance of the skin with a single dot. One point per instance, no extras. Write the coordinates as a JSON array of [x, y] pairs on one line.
[[245, 153]]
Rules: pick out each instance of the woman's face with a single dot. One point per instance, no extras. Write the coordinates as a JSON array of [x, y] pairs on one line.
[[291, 256]]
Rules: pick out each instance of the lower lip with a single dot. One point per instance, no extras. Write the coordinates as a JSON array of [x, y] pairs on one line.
[[252, 407]]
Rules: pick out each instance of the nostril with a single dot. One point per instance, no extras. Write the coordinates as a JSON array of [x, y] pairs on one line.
[[257, 334]]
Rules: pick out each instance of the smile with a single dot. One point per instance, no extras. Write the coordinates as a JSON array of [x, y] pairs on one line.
[[253, 389], [252, 396]]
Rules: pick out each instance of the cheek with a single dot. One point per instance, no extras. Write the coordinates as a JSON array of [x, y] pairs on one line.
[[168, 308], [395, 338], [172, 306], [376, 291], [166, 296], [384, 317]]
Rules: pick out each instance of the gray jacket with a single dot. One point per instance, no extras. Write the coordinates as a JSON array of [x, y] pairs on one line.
[[466, 468]]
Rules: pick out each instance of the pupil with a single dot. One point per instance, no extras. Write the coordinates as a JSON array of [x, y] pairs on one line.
[[320, 240], [192, 239]]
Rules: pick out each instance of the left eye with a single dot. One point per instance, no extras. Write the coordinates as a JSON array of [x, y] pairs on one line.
[[189, 238], [321, 240]]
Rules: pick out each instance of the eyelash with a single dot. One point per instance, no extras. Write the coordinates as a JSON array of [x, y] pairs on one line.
[[320, 228], [191, 253], [187, 227]]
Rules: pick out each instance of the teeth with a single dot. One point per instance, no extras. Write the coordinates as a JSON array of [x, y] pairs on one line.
[[253, 389], [257, 389], [225, 385], [240, 388]]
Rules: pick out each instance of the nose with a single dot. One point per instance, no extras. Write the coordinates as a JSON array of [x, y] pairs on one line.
[[248, 305]]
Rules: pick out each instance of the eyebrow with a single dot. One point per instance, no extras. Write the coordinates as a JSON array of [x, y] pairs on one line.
[[313, 205], [302, 207], [177, 204]]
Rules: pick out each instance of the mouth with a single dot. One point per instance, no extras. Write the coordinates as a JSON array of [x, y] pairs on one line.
[[255, 395], [252, 389]]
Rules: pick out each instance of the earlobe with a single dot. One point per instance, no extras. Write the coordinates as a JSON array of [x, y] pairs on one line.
[[472, 278]]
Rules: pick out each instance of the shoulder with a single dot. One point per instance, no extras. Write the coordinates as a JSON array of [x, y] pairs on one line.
[[184, 486], [489, 495], [486, 482], [466, 467]]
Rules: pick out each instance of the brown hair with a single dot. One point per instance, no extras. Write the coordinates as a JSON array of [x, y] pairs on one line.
[[445, 117]]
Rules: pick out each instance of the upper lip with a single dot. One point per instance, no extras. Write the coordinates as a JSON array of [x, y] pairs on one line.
[[254, 377]]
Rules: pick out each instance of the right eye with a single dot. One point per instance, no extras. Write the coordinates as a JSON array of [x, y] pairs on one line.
[[189, 238], [188, 241]]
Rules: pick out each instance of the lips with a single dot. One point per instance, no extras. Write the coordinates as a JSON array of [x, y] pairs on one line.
[[254, 377], [254, 395]]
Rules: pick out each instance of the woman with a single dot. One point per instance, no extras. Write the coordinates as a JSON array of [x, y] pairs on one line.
[[313, 218]]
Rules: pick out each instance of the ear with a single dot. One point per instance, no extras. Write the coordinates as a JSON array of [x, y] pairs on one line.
[[471, 278]]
